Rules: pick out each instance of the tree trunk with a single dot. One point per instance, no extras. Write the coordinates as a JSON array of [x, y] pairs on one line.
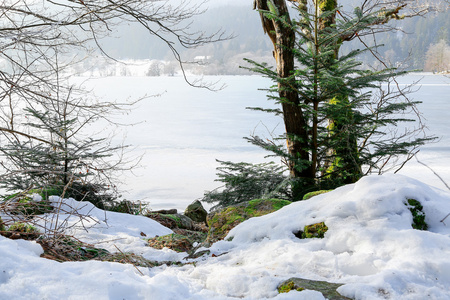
[[347, 158], [283, 39]]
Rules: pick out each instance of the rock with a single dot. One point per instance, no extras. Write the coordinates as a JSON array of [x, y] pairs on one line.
[[222, 221], [172, 220], [196, 212], [166, 211], [182, 240], [327, 289]]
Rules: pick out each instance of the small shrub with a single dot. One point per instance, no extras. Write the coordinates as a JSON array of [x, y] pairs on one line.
[[416, 210]]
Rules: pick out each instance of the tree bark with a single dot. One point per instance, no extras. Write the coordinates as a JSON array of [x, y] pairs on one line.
[[346, 157], [283, 39]]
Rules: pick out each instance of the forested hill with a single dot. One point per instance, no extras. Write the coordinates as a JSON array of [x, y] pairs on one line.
[[405, 48]]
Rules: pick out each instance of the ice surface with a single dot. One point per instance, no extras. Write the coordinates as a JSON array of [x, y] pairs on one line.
[[184, 130]]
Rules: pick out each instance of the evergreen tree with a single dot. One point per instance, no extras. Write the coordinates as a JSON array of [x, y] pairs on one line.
[[62, 156], [245, 182], [338, 118]]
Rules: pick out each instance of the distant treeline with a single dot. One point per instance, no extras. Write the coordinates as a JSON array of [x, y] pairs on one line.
[[406, 47]]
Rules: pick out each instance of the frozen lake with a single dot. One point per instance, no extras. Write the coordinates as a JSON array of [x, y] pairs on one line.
[[184, 130]]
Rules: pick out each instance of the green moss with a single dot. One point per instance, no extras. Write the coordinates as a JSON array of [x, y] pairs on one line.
[[220, 223], [224, 221], [327, 5], [2, 226], [289, 286], [416, 209], [174, 218], [313, 231], [315, 193], [30, 208]]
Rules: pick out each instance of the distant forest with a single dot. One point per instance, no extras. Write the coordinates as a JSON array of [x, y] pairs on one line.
[[405, 48]]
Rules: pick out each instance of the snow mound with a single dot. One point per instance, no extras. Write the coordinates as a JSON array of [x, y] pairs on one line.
[[370, 244]]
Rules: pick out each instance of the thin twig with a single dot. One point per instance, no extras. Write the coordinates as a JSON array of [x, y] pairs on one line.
[[437, 175], [126, 258]]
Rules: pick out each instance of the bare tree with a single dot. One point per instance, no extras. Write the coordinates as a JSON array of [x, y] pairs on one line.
[[41, 111], [438, 57]]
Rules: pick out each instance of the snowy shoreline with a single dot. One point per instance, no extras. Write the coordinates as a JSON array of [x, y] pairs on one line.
[[370, 247]]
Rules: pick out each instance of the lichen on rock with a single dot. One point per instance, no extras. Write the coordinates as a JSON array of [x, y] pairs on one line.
[[327, 289]]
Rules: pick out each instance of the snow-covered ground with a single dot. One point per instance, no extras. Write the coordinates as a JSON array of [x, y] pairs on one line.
[[370, 247]]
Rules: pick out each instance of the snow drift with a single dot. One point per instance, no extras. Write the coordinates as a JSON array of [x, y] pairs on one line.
[[370, 247]]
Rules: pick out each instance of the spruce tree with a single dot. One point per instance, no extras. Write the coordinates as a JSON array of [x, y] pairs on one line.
[[346, 125], [63, 157], [346, 117]]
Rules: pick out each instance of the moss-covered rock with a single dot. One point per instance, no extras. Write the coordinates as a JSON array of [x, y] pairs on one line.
[[222, 221], [315, 193], [182, 240], [315, 231], [327, 289], [176, 242], [288, 286], [196, 212], [172, 220]]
